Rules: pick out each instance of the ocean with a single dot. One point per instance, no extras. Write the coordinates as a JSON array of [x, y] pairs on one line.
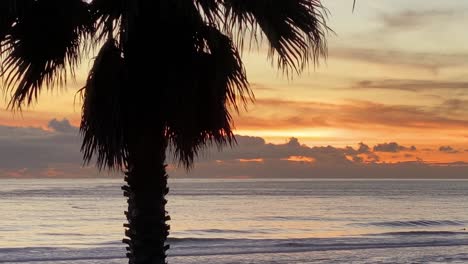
[[271, 221]]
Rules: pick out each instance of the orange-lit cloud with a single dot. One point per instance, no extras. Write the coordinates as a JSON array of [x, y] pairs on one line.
[[300, 159], [357, 120], [351, 114], [18, 173], [251, 160], [53, 172]]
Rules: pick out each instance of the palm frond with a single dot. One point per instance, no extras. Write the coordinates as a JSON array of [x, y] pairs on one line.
[[229, 72], [43, 46], [108, 8], [7, 16], [295, 29], [102, 124], [107, 14], [10, 11], [210, 9], [214, 79]]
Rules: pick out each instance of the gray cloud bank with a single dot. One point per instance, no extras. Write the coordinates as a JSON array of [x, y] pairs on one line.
[[51, 152], [54, 152], [255, 158], [392, 147]]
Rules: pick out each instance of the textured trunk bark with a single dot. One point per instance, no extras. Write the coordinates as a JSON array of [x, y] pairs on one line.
[[146, 176], [146, 188]]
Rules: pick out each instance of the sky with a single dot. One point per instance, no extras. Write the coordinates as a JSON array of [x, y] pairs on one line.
[[389, 101]]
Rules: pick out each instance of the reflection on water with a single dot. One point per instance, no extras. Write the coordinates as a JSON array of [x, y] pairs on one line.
[[82, 219]]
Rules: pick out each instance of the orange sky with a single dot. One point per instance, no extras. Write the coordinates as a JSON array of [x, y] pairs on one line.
[[396, 72]]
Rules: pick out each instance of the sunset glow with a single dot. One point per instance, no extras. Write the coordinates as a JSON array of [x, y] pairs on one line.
[[398, 74]]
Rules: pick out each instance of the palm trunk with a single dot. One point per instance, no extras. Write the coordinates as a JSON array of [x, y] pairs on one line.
[[146, 189]]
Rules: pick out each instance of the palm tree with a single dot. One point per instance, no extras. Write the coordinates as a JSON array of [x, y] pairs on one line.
[[167, 75]]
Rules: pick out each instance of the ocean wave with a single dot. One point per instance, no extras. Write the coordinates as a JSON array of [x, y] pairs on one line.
[[180, 240], [62, 234], [232, 231], [214, 230], [413, 223], [215, 246], [61, 258], [187, 247], [423, 233], [43, 254]]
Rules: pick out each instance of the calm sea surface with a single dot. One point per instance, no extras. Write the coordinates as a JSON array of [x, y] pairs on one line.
[[243, 221]]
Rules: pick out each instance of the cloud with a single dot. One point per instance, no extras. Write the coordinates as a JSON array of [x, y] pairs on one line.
[[363, 148], [261, 87], [453, 107], [62, 126], [255, 148], [390, 38], [255, 158], [54, 152], [412, 19], [35, 152], [409, 85], [361, 115], [448, 149], [392, 147], [432, 62], [362, 154]]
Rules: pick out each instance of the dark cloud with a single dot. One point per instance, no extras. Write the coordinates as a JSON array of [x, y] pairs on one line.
[[432, 62], [412, 19], [36, 152], [254, 148], [453, 107], [281, 161], [362, 151], [448, 149], [358, 159], [363, 148], [252, 157], [409, 85], [62, 126], [261, 87], [455, 104], [392, 147]]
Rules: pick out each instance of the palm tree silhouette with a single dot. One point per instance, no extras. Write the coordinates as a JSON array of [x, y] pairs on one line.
[[167, 75]]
